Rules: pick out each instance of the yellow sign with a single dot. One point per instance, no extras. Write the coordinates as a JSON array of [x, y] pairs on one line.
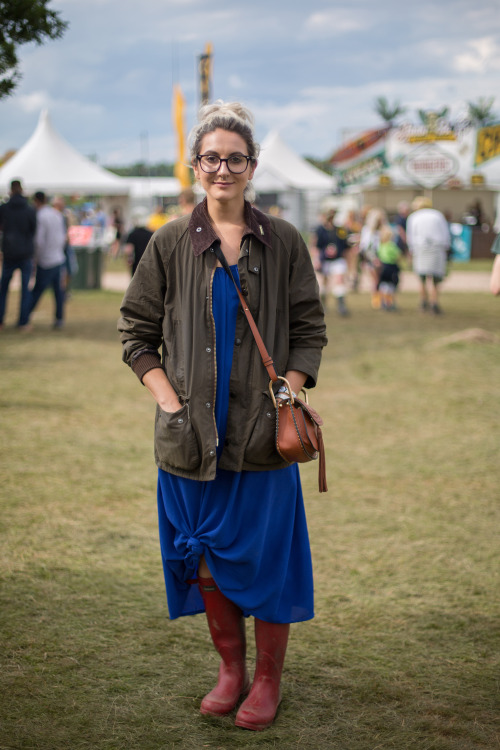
[[487, 144], [477, 179], [181, 169], [428, 137]]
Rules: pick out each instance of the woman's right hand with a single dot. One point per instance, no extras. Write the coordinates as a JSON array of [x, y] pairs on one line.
[[171, 407], [160, 388]]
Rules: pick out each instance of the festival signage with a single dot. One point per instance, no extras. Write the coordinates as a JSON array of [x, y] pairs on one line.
[[356, 148], [430, 166], [81, 236], [487, 144], [461, 242], [358, 172]]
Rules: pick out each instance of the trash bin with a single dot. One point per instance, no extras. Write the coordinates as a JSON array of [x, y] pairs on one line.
[[89, 273]]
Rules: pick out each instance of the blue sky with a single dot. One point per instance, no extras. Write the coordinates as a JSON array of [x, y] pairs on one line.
[[311, 69]]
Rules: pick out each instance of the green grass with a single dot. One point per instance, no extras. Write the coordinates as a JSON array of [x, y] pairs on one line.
[[476, 264], [403, 652]]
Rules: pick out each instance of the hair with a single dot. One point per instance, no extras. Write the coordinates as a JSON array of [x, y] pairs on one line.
[[187, 195], [421, 201], [375, 218], [231, 116], [40, 196], [386, 233], [140, 216], [16, 187]]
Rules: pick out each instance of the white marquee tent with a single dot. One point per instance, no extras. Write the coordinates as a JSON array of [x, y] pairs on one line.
[[300, 187], [48, 162]]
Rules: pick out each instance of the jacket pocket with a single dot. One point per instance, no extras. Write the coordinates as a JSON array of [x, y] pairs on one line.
[[261, 447], [175, 439]]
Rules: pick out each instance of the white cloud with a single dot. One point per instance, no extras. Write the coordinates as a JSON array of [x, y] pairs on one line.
[[34, 102], [334, 21], [482, 55], [235, 82]]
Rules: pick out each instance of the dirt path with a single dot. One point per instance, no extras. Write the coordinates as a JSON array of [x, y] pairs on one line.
[[457, 281]]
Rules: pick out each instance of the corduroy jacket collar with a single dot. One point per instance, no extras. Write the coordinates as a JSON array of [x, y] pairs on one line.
[[203, 234]]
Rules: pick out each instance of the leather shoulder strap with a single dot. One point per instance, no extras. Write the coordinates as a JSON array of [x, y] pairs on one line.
[[267, 360]]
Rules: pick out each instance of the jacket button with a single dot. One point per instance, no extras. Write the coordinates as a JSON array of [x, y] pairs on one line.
[[269, 414], [237, 342], [244, 291], [256, 270], [180, 420], [232, 394], [208, 404], [199, 229], [227, 442], [208, 349], [212, 453]]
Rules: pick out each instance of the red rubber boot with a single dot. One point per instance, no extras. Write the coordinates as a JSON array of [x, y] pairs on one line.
[[227, 628], [258, 711]]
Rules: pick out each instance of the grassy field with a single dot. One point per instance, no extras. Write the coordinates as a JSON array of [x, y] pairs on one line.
[[404, 650]]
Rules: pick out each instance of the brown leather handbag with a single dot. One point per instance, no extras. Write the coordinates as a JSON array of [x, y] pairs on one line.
[[298, 425]]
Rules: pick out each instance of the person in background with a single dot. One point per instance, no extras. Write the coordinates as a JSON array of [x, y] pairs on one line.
[[495, 271], [389, 255], [352, 225], [18, 226], [429, 241], [403, 209], [157, 219], [368, 250], [50, 240], [328, 247], [71, 265], [138, 238], [118, 225], [233, 531], [187, 201]]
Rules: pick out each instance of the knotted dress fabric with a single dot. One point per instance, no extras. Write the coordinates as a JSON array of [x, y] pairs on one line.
[[250, 525]]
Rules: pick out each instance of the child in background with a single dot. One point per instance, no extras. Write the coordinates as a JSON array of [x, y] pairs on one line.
[[389, 255]]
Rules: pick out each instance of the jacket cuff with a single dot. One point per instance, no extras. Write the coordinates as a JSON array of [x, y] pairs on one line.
[[144, 363], [307, 361]]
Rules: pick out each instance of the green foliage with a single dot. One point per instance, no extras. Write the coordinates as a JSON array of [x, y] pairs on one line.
[[481, 112], [388, 112], [140, 169], [430, 118], [322, 164], [21, 22]]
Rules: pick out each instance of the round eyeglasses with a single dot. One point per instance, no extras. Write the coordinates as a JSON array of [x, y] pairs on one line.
[[236, 163]]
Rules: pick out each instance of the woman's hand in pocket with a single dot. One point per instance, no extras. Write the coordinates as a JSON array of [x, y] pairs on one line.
[[160, 388]]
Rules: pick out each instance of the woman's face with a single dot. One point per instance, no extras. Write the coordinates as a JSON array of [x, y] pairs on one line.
[[224, 185]]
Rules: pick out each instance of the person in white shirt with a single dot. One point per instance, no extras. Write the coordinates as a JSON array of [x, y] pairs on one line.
[[428, 238], [50, 239]]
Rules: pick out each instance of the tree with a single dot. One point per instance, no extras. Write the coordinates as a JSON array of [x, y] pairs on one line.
[[430, 117], [23, 21], [388, 112], [480, 113]]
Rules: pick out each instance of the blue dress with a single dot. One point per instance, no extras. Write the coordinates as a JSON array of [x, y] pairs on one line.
[[250, 525]]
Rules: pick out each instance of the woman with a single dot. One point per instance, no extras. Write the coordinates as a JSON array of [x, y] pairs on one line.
[[232, 525], [328, 247], [368, 248]]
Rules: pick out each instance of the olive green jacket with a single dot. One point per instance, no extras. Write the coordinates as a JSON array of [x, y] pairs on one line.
[[168, 305]]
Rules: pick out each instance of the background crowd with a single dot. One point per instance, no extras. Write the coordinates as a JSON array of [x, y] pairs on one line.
[[345, 245]]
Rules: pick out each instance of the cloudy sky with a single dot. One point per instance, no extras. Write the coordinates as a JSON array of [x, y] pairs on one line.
[[310, 68]]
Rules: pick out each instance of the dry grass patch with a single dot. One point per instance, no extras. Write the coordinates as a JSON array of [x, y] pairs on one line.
[[403, 652]]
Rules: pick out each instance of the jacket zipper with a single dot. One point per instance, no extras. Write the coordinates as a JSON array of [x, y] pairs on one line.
[[215, 358]]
